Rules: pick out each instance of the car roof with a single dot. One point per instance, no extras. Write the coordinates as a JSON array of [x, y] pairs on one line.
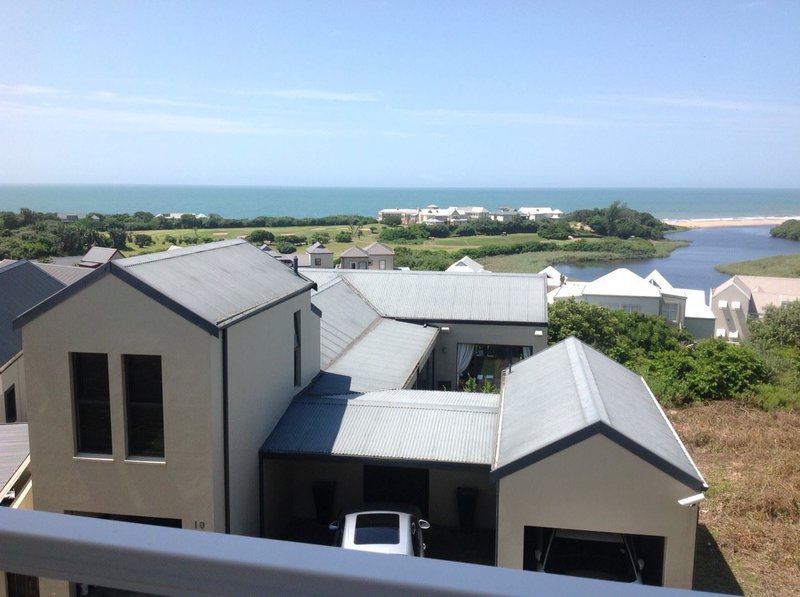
[[404, 545]]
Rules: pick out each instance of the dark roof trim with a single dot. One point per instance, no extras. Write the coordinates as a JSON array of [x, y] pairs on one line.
[[316, 310], [599, 428], [275, 303], [398, 462], [471, 321], [9, 362], [60, 296], [12, 265]]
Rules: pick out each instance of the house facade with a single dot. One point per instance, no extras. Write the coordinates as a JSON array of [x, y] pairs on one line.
[[317, 255], [375, 256]]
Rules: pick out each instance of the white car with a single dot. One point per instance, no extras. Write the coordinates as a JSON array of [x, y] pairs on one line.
[[381, 531], [607, 556]]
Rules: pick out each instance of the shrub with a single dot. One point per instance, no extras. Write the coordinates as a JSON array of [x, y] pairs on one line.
[[619, 220], [343, 237], [260, 236], [392, 220], [399, 234], [789, 230], [470, 384], [439, 230], [292, 239], [780, 326], [143, 240], [285, 247], [321, 237], [555, 230]]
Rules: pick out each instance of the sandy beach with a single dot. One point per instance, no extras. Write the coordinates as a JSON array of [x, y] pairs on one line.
[[721, 222]]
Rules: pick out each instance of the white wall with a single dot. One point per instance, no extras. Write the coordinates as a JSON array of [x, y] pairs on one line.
[[260, 387], [597, 485], [732, 320], [647, 305], [111, 317]]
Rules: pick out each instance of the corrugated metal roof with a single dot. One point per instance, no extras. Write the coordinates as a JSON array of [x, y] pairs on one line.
[[354, 252], [66, 274], [586, 393], [385, 357], [448, 296], [696, 306], [22, 285], [99, 255], [377, 248], [345, 317], [319, 248], [14, 449], [621, 282], [466, 264], [408, 425], [220, 282]]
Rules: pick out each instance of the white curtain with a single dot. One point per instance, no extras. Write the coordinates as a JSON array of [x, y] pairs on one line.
[[465, 352], [527, 351]]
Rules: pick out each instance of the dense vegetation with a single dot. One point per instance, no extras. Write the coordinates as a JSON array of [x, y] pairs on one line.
[[620, 220], [32, 235], [789, 230], [677, 369], [782, 266]]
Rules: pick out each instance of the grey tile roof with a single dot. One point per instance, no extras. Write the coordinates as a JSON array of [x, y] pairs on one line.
[[66, 274], [14, 449], [385, 357], [220, 282], [99, 255], [212, 285], [585, 394], [407, 425], [22, 285], [449, 296]]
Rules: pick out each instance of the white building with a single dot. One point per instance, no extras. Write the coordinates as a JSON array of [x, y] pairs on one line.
[[467, 265], [540, 213]]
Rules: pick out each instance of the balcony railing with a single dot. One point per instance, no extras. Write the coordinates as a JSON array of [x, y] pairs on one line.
[[167, 561]]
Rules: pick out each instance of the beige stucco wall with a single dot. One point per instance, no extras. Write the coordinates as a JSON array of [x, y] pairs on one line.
[[597, 485], [111, 317], [326, 260], [731, 320], [12, 373], [260, 387], [446, 350], [375, 262], [347, 262]]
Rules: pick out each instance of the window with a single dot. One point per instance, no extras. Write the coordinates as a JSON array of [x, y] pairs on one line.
[[353, 265], [317, 261], [144, 405], [632, 308], [671, 312], [10, 399], [92, 405], [382, 264], [374, 529], [362, 265], [297, 347], [723, 304]]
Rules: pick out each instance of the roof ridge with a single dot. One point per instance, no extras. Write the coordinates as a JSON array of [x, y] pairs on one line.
[[588, 392], [146, 258]]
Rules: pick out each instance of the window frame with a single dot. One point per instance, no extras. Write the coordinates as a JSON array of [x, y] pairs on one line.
[[298, 349], [10, 397], [130, 454], [76, 418]]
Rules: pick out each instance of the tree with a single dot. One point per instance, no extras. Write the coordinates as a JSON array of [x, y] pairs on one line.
[[321, 237], [119, 237], [260, 236], [439, 230], [392, 220], [780, 326], [142, 240], [285, 247], [343, 237]]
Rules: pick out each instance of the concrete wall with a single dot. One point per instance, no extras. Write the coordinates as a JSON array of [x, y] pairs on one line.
[[446, 350], [13, 374], [731, 320], [597, 485], [260, 387], [113, 318]]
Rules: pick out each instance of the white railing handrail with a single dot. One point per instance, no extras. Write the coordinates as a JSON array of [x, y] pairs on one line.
[[168, 561]]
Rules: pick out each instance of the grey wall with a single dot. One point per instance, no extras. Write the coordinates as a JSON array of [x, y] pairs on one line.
[[731, 320], [13, 374]]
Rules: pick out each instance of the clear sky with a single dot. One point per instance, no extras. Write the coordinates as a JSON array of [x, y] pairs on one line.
[[467, 93]]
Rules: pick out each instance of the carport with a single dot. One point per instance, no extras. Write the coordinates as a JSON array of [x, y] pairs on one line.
[[583, 445], [420, 447]]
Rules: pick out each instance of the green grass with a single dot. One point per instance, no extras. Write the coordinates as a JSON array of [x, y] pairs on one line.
[[782, 266]]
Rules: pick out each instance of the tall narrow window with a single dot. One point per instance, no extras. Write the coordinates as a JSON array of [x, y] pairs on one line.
[[92, 405], [10, 399], [144, 402], [297, 354]]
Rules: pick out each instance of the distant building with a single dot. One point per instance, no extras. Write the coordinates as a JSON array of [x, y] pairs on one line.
[[467, 265], [554, 277], [375, 256], [179, 215], [504, 214], [540, 213], [407, 216], [317, 255], [354, 258], [743, 297]]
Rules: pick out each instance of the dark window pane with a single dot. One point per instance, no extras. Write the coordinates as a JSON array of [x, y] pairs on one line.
[[10, 399], [297, 345], [144, 402], [377, 528], [92, 407]]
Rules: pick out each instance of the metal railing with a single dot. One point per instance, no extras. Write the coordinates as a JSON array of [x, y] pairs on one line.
[[167, 561]]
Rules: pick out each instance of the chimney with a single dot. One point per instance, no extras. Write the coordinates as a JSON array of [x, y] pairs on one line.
[[294, 265]]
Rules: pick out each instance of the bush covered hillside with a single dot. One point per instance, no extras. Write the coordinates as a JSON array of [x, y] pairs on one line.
[[789, 230], [620, 220], [680, 371]]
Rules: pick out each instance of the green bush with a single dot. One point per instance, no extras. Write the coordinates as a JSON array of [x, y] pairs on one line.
[[400, 234], [143, 240], [789, 230], [343, 237], [780, 326], [260, 236], [392, 220], [555, 230], [292, 239], [439, 230], [321, 237], [619, 220], [285, 247]]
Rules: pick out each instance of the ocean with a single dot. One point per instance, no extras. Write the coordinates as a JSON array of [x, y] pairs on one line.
[[244, 202]]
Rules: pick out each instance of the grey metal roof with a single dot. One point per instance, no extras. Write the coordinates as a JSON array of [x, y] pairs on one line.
[[212, 285], [377, 248], [449, 296], [407, 425], [99, 255], [22, 285], [586, 394], [354, 252], [385, 357], [319, 248], [14, 449], [345, 317], [66, 274]]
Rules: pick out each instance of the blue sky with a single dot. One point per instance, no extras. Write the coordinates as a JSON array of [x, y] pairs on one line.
[[501, 94]]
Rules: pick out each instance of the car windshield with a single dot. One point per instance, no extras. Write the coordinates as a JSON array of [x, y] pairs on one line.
[[607, 560], [377, 528]]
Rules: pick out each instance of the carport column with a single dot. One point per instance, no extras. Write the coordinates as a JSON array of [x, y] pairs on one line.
[[679, 549], [510, 535]]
